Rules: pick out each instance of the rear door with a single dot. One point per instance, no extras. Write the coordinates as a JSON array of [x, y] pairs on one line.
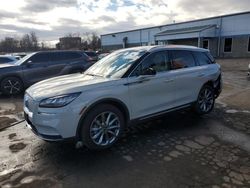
[[63, 62], [187, 76]]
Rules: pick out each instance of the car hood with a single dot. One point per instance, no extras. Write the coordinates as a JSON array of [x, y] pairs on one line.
[[66, 84], [7, 65]]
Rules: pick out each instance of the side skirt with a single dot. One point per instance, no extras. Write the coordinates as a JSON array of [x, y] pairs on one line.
[[159, 114]]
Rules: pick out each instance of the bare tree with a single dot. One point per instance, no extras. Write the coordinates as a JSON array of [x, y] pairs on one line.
[[9, 45], [29, 42]]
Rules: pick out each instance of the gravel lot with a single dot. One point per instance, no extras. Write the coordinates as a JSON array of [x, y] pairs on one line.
[[179, 150]]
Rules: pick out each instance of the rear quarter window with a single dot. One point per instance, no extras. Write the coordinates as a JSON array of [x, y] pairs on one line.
[[182, 59], [202, 58]]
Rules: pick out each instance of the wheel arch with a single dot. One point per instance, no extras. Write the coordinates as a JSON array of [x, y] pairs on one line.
[[115, 102]]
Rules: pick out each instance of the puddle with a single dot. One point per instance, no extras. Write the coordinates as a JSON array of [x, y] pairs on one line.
[[17, 147], [7, 106], [233, 111], [11, 136]]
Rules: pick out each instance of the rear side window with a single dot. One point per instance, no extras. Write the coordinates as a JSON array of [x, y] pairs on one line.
[[182, 59], [202, 58], [61, 56], [71, 55], [56, 56]]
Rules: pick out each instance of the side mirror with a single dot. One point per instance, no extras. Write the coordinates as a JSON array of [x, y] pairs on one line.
[[149, 71]]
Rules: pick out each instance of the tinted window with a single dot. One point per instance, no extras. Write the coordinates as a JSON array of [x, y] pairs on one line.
[[71, 55], [182, 59], [202, 58], [5, 60], [56, 56], [228, 45], [159, 61], [61, 56], [40, 58]]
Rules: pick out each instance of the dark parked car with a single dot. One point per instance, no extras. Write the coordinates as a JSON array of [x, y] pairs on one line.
[[93, 56], [40, 66]]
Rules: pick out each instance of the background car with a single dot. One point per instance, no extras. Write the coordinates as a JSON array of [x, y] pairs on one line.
[[7, 59], [39, 66], [93, 56]]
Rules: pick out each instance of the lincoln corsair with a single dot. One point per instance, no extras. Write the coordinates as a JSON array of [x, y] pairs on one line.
[[127, 86]]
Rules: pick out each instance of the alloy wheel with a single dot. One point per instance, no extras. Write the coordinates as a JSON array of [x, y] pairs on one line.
[[206, 100], [105, 128], [12, 86]]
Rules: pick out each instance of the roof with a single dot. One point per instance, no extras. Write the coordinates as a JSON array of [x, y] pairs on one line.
[[177, 47], [190, 21], [185, 30], [162, 47]]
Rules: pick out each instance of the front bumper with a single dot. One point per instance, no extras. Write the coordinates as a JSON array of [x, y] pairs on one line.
[[42, 136], [52, 124]]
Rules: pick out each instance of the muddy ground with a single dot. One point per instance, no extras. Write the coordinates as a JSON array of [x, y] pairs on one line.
[[179, 150]]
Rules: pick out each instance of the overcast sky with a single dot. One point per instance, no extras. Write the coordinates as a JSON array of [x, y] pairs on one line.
[[52, 19]]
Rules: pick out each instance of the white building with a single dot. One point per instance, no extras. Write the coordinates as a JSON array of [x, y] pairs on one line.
[[225, 36]]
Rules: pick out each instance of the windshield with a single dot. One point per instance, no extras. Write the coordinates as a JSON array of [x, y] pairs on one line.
[[116, 64], [22, 60]]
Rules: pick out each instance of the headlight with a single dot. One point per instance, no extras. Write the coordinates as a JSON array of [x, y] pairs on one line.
[[59, 101]]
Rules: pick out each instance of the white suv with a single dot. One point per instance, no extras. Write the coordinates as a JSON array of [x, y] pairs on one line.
[[130, 84]]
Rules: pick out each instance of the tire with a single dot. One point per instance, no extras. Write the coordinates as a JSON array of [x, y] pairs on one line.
[[98, 135], [12, 86], [205, 101]]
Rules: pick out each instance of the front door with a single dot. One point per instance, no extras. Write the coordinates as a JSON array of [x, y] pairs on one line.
[[151, 94], [36, 68]]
